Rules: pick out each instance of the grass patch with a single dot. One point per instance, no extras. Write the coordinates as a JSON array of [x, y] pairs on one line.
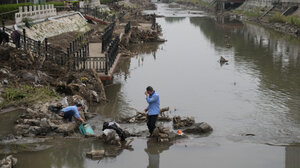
[[252, 14], [26, 95], [277, 17]]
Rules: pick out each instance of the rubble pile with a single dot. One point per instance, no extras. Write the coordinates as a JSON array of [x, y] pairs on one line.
[[114, 148], [189, 126], [19, 68], [179, 122], [8, 162], [198, 128], [142, 117], [39, 121], [162, 134], [83, 84], [138, 35], [109, 151]]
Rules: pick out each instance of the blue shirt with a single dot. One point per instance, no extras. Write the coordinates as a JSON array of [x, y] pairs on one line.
[[72, 108], [153, 101]]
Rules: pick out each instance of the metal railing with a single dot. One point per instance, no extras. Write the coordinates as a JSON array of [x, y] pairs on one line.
[[112, 53], [78, 50], [107, 36], [77, 54]]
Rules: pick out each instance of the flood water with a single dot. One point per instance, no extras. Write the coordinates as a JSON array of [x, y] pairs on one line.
[[256, 93]]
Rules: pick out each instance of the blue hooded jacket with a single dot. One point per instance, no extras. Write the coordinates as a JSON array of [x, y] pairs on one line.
[[153, 101]]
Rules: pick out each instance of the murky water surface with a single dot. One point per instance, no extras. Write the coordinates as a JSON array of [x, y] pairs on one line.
[[257, 92]]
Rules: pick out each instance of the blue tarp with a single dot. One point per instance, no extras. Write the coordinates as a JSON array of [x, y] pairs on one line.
[[86, 129]]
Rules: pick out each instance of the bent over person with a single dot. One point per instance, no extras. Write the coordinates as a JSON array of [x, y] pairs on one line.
[[70, 111], [153, 108]]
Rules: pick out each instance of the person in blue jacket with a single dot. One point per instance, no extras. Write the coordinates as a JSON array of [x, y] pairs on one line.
[[70, 111], [153, 109]]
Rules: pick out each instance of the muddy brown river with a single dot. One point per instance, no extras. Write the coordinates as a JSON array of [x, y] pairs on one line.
[[253, 102]]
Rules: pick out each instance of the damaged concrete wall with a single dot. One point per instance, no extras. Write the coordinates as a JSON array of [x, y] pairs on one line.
[[50, 28]]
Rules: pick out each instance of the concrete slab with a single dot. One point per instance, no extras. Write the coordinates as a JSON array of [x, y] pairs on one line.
[[95, 50]]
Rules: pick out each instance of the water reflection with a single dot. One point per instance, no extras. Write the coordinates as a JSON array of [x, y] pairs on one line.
[[174, 19], [269, 57], [7, 122], [67, 153], [292, 157], [154, 150]]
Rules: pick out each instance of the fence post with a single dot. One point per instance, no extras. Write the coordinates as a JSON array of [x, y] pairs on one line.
[[74, 62], [68, 58], [88, 50], [39, 48], [62, 59], [46, 48], [73, 48], [106, 64], [80, 55], [24, 36], [83, 53], [70, 48], [77, 59], [103, 43]]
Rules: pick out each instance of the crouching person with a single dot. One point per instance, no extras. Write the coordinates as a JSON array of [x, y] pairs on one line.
[[113, 134], [71, 111]]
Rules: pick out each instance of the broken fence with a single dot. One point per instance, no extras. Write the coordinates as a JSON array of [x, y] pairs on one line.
[[76, 56]]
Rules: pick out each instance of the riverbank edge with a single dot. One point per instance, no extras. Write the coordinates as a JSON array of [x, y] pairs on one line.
[[281, 27]]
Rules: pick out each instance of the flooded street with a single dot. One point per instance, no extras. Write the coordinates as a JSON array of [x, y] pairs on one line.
[[252, 102]]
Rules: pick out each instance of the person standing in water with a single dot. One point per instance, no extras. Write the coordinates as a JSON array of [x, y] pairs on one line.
[[153, 108]]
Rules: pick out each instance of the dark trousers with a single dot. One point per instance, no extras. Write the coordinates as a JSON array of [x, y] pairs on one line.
[[69, 115], [151, 120]]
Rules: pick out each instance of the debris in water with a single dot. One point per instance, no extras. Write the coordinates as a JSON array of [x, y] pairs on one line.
[[223, 60]]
